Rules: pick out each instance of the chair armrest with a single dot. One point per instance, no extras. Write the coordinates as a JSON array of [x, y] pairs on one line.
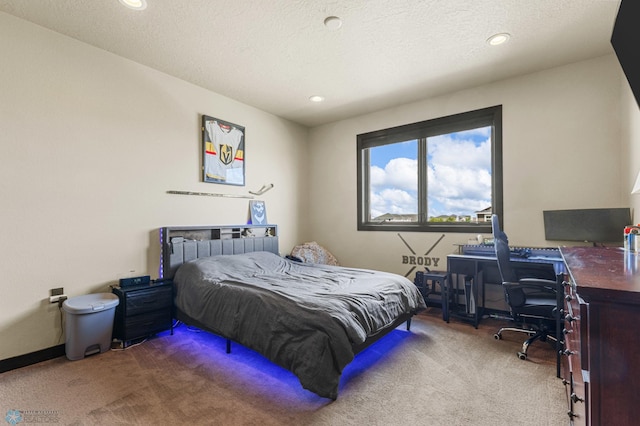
[[548, 285], [517, 293], [533, 283]]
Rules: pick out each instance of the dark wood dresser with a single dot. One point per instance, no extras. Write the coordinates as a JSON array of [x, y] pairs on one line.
[[600, 363]]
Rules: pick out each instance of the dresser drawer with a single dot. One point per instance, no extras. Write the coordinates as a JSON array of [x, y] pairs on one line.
[[146, 324], [575, 355], [150, 299]]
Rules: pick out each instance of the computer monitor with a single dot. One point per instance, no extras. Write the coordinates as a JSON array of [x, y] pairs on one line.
[[587, 225]]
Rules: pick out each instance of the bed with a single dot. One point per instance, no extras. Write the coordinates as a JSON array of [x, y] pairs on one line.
[[311, 319]]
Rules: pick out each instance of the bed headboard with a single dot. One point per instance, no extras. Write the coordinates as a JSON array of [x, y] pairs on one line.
[[180, 244]]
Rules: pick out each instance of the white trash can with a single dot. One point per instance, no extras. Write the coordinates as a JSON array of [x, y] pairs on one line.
[[89, 324]]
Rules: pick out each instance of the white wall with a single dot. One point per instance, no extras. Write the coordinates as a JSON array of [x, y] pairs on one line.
[[89, 145], [561, 149], [630, 117]]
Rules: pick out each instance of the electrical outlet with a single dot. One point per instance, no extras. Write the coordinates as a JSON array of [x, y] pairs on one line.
[[58, 298], [57, 295]]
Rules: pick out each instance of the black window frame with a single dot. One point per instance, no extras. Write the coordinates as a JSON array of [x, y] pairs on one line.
[[490, 116]]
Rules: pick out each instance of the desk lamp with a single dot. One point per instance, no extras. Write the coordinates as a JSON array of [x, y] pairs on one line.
[[636, 186]]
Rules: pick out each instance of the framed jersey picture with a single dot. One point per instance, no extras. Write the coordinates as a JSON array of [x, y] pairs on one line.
[[223, 156]]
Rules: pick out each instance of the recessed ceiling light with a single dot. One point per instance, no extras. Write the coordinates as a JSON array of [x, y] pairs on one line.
[[497, 39], [316, 98], [134, 4], [333, 22]]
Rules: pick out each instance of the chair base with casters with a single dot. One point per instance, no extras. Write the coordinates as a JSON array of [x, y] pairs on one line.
[[541, 334], [533, 309]]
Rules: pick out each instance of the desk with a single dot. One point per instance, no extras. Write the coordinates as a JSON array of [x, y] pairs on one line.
[[478, 268]]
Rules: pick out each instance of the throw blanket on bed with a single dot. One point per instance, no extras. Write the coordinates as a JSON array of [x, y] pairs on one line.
[[304, 317]]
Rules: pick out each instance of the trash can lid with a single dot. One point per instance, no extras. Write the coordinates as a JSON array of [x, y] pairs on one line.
[[90, 303]]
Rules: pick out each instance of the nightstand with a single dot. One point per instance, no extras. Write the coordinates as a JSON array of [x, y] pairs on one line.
[[143, 310]]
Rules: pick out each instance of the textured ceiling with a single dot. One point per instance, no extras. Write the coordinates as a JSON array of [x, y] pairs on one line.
[[275, 54]]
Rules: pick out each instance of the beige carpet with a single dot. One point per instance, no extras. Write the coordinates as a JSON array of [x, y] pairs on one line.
[[437, 374]]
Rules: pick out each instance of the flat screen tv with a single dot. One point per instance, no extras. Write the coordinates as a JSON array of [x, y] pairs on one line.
[[624, 39], [587, 225]]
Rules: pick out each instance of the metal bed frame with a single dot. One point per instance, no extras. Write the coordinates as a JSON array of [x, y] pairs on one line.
[[183, 244]]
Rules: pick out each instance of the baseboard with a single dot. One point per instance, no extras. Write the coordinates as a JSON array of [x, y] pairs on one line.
[[31, 358]]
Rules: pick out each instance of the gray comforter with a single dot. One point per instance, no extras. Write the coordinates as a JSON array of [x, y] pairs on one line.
[[304, 317]]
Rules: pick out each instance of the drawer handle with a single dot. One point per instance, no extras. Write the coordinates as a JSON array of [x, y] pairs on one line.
[[571, 318], [575, 398], [565, 331]]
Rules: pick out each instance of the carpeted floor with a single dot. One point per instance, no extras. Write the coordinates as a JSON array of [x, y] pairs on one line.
[[436, 374]]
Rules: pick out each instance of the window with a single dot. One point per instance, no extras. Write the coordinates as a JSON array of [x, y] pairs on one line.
[[440, 175]]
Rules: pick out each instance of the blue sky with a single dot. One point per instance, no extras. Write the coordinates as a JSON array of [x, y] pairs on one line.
[[459, 175]]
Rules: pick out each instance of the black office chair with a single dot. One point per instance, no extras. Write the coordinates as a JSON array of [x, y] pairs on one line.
[[532, 301]]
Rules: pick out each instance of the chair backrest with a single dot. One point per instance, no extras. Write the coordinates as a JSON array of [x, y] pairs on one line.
[[503, 254]]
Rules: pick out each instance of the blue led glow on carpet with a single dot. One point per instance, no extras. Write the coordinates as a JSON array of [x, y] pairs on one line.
[[247, 369]]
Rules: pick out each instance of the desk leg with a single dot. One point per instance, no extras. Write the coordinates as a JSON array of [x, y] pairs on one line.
[[445, 297], [478, 282], [463, 287], [469, 295]]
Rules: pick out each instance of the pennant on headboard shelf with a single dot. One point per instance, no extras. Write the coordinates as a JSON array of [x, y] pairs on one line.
[[210, 194]]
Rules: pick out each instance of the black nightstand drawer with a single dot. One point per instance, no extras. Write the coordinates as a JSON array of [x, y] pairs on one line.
[[143, 311], [144, 325], [147, 300]]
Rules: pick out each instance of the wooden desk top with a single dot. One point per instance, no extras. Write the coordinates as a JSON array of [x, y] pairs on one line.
[[604, 273]]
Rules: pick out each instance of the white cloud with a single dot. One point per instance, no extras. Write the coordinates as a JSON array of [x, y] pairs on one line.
[[398, 173], [393, 189], [461, 206], [460, 153], [392, 200], [453, 182], [459, 173], [377, 177]]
